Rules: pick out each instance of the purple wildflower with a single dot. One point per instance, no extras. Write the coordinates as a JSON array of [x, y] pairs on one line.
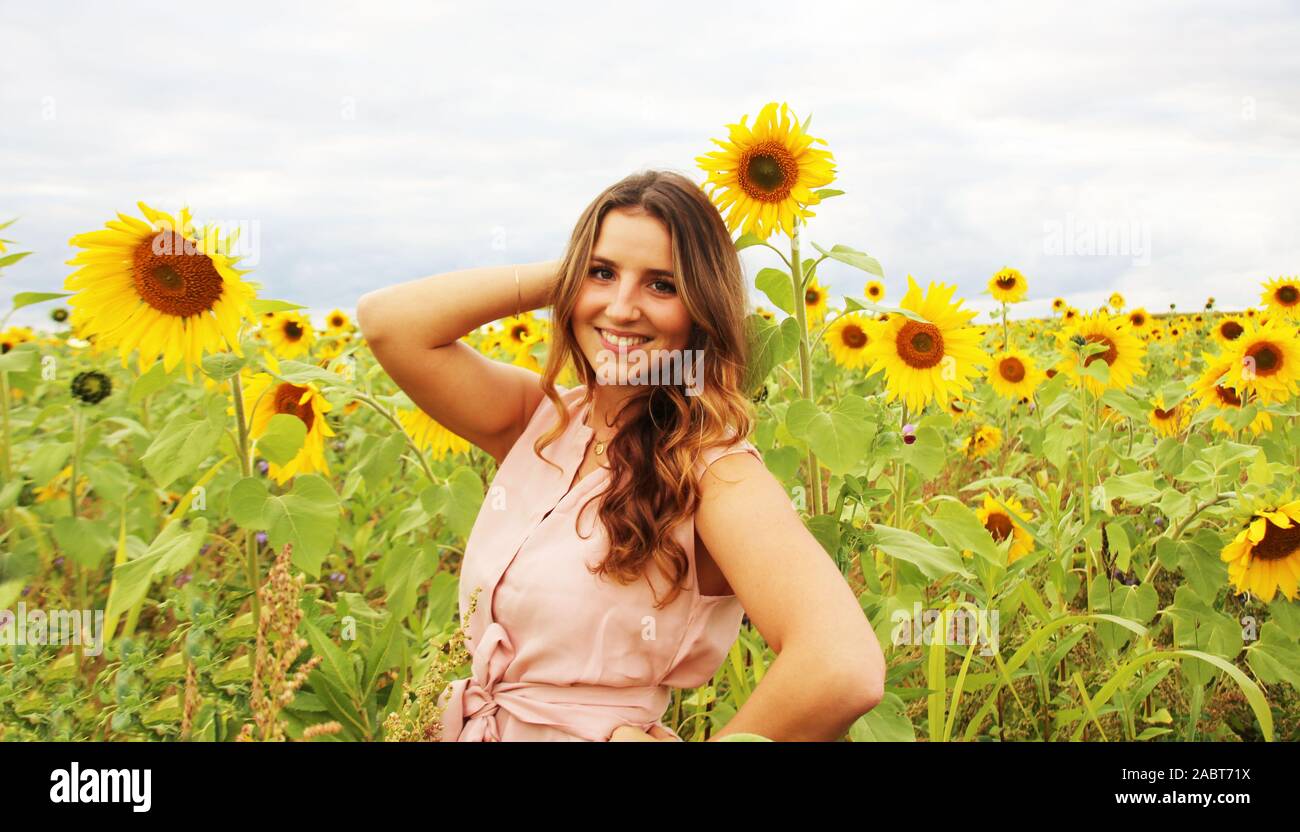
[[338, 577], [260, 537], [909, 433], [263, 465], [182, 579]]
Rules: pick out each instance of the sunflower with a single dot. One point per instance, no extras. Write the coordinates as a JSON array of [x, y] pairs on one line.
[[875, 291], [1138, 320], [1210, 391], [814, 301], [982, 441], [518, 333], [265, 396], [1008, 286], [1002, 524], [430, 435], [1265, 555], [1058, 305], [1167, 422], [1014, 375], [290, 334], [959, 407], [159, 288], [764, 176], [57, 488], [337, 323], [1116, 301], [930, 359], [15, 335], [847, 338], [1265, 361], [1070, 315], [765, 313], [1228, 329], [1123, 354], [1282, 297]]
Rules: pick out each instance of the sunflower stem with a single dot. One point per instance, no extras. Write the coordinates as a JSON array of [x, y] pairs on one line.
[[246, 468], [1006, 333], [72, 498], [805, 361], [4, 439]]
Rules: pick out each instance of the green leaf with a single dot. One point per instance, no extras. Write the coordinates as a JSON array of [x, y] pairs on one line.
[[961, 529], [170, 552], [184, 442], [933, 561], [261, 306], [22, 299], [284, 437], [10, 259], [887, 722], [1138, 488], [778, 287], [307, 517], [223, 365], [853, 257], [840, 438], [86, 541], [297, 372], [335, 664], [18, 360]]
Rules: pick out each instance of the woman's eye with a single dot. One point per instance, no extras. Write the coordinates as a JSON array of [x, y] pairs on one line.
[[599, 269], [668, 287]]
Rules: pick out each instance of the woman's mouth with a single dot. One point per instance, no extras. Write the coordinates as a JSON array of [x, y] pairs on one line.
[[614, 342]]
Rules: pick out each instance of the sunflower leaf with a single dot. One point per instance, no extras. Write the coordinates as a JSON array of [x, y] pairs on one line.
[[261, 306], [221, 366], [853, 257], [185, 442], [777, 286], [22, 299], [933, 561], [284, 438]]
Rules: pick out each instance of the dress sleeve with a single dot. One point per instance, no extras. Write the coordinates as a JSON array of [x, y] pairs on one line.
[[713, 454]]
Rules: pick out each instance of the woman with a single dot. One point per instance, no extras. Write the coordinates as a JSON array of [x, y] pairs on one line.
[[630, 526]]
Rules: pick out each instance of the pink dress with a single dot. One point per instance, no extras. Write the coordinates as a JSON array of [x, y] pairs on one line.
[[558, 652]]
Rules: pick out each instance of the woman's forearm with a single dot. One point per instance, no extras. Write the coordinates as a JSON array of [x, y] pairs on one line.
[[800, 699], [441, 308]]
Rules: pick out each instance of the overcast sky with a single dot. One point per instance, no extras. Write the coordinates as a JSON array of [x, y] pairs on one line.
[[373, 143]]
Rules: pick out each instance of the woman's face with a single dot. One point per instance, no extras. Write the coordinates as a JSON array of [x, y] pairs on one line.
[[629, 290]]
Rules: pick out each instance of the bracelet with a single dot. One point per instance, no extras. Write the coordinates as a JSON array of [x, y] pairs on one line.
[[519, 295]]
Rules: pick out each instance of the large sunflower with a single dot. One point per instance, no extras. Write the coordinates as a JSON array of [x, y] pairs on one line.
[[1266, 361], [1002, 524], [1265, 555], [159, 288], [1211, 391], [429, 434], [1124, 351], [847, 338], [290, 334], [1283, 297], [764, 176], [265, 396], [1008, 286], [932, 359], [1014, 375]]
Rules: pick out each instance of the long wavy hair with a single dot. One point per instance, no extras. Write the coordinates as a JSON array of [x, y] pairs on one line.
[[652, 458]]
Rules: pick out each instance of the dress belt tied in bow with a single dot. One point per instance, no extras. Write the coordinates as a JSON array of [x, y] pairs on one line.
[[589, 711]]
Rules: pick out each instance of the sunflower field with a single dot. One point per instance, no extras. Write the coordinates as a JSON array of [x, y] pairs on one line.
[[1079, 527]]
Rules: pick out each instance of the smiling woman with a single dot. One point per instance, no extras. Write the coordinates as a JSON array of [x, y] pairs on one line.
[[637, 525]]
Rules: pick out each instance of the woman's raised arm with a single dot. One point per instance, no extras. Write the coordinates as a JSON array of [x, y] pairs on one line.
[[414, 328]]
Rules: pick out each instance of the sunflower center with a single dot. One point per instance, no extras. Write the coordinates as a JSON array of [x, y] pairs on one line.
[[286, 401], [1231, 330], [920, 344], [1012, 369], [1288, 295], [1267, 357], [1277, 542], [1163, 415], [1109, 356], [292, 330], [999, 525], [811, 297], [1228, 396], [1008, 282], [174, 279], [873, 291], [853, 337], [769, 172], [519, 332]]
